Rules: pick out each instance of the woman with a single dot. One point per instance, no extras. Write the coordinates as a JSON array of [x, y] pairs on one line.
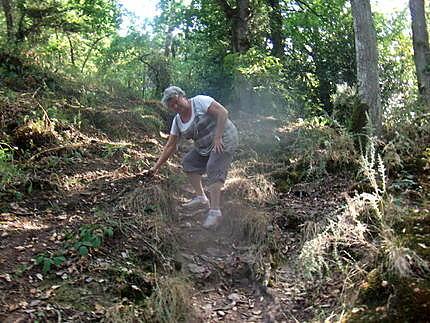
[[204, 120]]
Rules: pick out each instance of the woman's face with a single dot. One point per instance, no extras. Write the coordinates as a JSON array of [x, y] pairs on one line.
[[177, 104]]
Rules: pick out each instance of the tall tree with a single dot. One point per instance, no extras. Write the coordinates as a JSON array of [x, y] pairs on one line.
[[239, 16], [420, 38], [367, 61]]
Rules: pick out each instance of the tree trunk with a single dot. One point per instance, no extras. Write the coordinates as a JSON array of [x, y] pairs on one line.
[[276, 35], [88, 55], [168, 41], [239, 18], [367, 62], [421, 48], [72, 50], [7, 9]]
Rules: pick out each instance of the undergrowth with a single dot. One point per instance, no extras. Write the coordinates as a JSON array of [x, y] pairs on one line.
[[361, 235]]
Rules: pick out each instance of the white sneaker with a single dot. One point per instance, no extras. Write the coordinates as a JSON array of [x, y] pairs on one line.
[[197, 202], [213, 219]]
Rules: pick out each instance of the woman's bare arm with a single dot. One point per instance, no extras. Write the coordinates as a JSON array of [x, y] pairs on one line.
[[221, 115], [168, 150]]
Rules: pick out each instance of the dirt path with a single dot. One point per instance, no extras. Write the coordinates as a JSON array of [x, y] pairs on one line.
[[232, 275], [220, 263], [223, 263]]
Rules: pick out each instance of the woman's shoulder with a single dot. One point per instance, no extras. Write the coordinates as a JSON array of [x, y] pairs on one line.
[[202, 102], [202, 97]]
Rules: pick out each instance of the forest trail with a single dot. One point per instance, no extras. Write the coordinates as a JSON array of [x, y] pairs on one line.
[[222, 262], [89, 236], [231, 274], [219, 262]]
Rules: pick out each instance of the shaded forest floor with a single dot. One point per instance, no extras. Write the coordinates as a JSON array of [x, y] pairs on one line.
[[88, 236]]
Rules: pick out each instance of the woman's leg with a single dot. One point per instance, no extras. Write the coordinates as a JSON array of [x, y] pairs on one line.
[[194, 166], [215, 193], [196, 183], [217, 169]]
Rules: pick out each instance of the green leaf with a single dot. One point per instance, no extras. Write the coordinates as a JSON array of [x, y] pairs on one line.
[[39, 259], [83, 251], [108, 232], [96, 242], [88, 243], [46, 265], [59, 260]]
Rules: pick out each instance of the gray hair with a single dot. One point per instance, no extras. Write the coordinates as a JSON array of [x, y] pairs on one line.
[[170, 92]]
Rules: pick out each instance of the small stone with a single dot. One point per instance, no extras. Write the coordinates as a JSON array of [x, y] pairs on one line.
[[234, 297], [34, 302], [207, 307], [196, 269], [221, 313]]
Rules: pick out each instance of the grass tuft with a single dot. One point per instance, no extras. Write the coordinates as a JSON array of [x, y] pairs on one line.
[[170, 301]]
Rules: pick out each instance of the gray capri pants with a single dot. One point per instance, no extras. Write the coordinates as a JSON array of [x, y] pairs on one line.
[[215, 165]]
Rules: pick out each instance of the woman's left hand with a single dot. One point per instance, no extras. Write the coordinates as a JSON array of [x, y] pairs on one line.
[[218, 145]]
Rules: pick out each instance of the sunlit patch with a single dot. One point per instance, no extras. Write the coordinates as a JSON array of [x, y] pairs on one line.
[[81, 180], [12, 224]]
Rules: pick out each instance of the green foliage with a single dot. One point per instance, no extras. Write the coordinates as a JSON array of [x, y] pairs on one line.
[[319, 145], [344, 101], [262, 78], [396, 62], [46, 261], [61, 35], [91, 236], [407, 133], [133, 65], [311, 64], [10, 172]]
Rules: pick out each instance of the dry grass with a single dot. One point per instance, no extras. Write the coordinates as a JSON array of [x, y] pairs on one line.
[[255, 226], [127, 313], [170, 301], [401, 260], [361, 231], [146, 213], [147, 200], [255, 189]]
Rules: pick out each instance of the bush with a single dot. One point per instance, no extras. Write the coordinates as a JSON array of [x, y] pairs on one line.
[[316, 146]]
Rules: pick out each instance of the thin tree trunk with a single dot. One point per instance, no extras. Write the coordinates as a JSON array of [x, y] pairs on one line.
[[275, 23], [72, 51], [87, 57], [367, 61], [168, 42], [7, 9], [421, 48]]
